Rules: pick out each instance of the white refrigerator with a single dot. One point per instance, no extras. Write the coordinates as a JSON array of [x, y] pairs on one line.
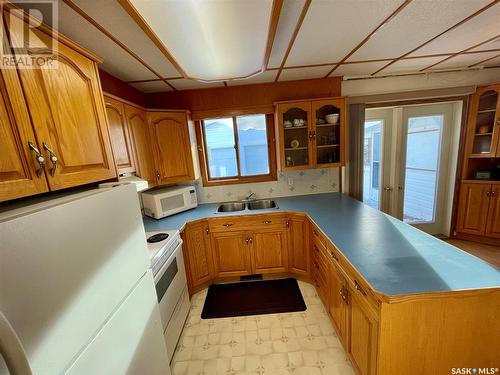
[[75, 288]]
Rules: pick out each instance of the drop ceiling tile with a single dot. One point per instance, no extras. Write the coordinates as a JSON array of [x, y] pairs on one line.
[[110, 15], [492, 62], [415, 24], [116, 61], [154, 86], [494, 44], [358, 69], [267, 76], [410, 65], [290, 13], [463, 61], [304, 73], [190, 84], [472, 32], [331, 29]]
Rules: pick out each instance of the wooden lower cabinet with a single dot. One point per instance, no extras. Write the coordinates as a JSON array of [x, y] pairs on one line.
[[338, 306], [493, 221], [298, 244], [198, 254], [269, 251], [232, 254], [473, 208]]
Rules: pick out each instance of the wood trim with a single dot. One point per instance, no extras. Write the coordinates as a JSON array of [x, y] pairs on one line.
[[94, 23], [202, 156], [294, 36], [437, 36], [382, 24], [461, 52], [271, 34], [228, 112], [125, 101], [483, 61], [398, 103], [132, 12]]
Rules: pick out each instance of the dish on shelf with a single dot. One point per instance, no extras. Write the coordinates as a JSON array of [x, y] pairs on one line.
[[332, 118], [287, 124], [483, 129], [294, 143]]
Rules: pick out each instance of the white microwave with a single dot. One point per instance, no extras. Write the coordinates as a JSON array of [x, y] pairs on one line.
[[166, 201]]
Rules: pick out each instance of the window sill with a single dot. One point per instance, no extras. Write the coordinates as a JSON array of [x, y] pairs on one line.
[[239, 180]]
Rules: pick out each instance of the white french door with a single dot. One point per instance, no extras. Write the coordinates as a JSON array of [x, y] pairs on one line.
[[406, 163]]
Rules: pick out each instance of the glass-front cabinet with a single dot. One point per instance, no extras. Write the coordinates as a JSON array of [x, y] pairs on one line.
[[485, 123], [311, 133]]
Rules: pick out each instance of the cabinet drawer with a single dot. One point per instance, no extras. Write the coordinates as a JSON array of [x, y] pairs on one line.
[[251, 222]]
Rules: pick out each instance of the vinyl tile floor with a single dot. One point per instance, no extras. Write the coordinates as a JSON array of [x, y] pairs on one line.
[[301, 343]]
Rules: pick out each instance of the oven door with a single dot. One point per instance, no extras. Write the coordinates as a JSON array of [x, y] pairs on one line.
[[170, 281]]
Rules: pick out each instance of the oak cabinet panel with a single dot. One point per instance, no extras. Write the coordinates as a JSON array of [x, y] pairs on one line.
[[120, 135], [338, 307], [473, 208], [172, 146], [20, 172], [68, 116], [141, 142], [269, 251], [298, 244], [493, 221], [232, 253], [198, 253]]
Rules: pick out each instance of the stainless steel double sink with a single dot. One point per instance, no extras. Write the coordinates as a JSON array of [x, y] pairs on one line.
[[258, 204]]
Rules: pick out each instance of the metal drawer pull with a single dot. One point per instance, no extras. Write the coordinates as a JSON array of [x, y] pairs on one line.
[[52, 158], [39, 159], [315, 233], [227, 225], [334, 256], [359, 288], [267, 221], [316, 264], [249, 240], [343, 293]]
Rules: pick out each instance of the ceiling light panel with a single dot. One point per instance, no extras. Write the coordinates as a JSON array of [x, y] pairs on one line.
[[189, 84], [267, 76], [331, 29], [211, 40], [418, 22], [480, 28], [290, 13]]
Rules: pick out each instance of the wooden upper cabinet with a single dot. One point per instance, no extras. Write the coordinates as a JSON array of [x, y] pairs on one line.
[[298, 244], [68, 115], [172, 146], [141, 142], [473, 208], [311, 134], [21, 173], [493, 221], [484, 123], [120, 135], [269, 251]]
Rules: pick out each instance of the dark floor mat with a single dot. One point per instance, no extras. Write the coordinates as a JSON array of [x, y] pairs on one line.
[[253, 298]]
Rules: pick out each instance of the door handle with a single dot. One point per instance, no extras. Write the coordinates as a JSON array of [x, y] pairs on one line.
[[38, 157], [52, 159]]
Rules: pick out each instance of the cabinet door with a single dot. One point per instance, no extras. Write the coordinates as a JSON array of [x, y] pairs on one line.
[[141, 141], [363, 335], [338, 301], [493, 221], [473, 208], [231, 253], [18, 164], [172, 147], [198, 254], [269, 251], [120, 135], [294, 132], [67, 111], [298, 244], [328, 124]]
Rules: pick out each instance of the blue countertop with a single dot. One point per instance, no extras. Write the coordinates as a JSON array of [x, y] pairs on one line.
[[395, 258]]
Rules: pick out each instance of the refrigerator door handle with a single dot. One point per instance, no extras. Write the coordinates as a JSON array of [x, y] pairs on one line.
[[12, 350]]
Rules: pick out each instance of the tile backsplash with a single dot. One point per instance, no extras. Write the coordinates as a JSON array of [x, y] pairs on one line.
[[310, 181]]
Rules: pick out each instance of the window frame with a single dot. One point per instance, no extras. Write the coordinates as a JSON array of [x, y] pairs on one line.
[[239, 179]]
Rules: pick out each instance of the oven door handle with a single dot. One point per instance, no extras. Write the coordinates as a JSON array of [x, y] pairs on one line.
[[169, 261]]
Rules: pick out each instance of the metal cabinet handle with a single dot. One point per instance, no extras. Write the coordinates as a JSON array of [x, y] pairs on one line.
[[343, 294], [39, 159], [158, 175], [251, 240], [498, 121], [315, 233], [316, 264], [248, 240], [488, 193], [267, 221], [315, 247], [334, 256], [359, 288], [52, 159], [493, 193], [207, 230], [287, 223], [227, 225]]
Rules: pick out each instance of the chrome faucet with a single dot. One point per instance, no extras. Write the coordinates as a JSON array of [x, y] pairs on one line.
[[251, 197]]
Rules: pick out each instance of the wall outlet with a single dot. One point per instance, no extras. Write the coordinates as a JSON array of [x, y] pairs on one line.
[[290, 181]]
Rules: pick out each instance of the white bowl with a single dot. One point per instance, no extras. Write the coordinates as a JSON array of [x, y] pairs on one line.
[[332, 118]]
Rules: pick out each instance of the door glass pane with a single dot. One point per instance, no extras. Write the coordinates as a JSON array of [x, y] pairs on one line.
[[485, 122], [327, 134], [421, 173], [252, 145], [219, 136], [372, 152], [296, 137]]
